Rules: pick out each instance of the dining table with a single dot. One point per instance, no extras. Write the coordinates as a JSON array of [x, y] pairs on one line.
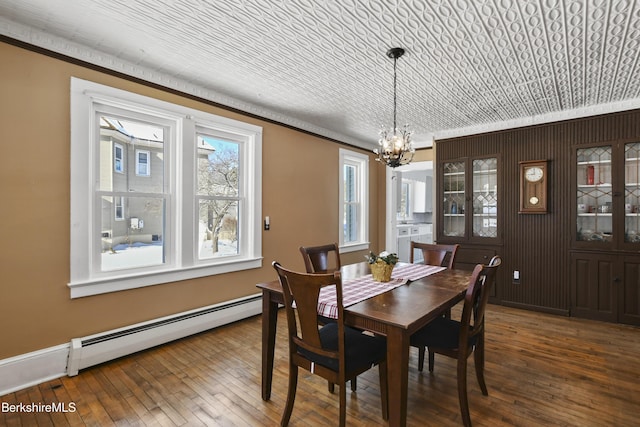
[[395, 313]]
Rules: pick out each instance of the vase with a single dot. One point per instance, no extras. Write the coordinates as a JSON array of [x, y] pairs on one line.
[[381, 271]]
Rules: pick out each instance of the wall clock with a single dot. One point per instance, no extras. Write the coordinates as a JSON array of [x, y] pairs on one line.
[[534, 181]]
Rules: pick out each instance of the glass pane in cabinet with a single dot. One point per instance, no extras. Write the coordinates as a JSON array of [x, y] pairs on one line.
[[632, 193], [594, 194], [453, 207], [485, 197]]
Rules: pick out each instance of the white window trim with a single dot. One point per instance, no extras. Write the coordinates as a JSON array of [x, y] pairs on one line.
[[361, 161], [181, 259]]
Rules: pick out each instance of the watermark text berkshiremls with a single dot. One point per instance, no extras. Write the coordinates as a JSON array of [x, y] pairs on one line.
[[7, 407]]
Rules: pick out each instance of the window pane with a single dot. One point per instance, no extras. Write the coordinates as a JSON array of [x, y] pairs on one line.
[[350, 223], [136, 241], [218, 228], [143, 144], [218, 162], [350, 183]]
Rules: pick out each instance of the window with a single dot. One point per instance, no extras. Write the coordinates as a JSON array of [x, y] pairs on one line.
[[354, 206], [118, 161], [197, 214], [142, 163], [119, 204], [404, 211]]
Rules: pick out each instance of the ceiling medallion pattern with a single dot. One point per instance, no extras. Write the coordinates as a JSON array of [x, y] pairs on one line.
[[315, 65]]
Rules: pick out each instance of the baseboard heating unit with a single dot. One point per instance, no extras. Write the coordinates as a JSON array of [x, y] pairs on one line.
[[95, 349]]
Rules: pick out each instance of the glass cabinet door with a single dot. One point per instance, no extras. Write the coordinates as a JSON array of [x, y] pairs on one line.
[[454, 198], [485, 197], [594, 194], [632, 193]]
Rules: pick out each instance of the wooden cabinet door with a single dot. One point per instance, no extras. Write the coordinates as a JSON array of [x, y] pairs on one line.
[[629, 291], [593, 286]]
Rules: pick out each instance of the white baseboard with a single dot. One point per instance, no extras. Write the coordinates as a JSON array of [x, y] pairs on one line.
[[33, 368]]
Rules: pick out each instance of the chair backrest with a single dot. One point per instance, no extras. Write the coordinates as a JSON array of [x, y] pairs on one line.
[[321, 259], [304, 289], [475, 301], [436, 254]]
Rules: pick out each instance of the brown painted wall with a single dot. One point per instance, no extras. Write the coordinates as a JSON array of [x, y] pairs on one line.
[[300, 194]]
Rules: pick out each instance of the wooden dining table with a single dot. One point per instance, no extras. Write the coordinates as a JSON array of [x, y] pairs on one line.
[[396, 314]]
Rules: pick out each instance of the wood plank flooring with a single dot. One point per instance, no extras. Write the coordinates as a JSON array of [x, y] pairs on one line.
[[541, 370]]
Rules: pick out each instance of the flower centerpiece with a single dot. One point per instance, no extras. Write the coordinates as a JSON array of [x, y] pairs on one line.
[[382, 265]]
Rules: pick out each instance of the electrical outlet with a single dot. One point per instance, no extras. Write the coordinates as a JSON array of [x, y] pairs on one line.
[[516, 277]]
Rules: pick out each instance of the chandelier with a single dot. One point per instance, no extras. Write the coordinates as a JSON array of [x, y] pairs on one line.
[[396, 148]]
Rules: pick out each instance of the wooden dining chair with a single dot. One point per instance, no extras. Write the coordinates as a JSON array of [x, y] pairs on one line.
[[435, 254], [458, 339], [321, 259], [333, 351], [324, 259]]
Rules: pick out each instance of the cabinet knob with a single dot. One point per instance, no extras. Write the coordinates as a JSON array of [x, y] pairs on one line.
[[616, 279]]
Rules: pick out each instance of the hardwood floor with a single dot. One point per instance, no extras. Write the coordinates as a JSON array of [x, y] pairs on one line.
[[540, 370]]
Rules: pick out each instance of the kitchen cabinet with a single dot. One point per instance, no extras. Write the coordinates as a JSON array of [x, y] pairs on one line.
[[605, 270], [416, 232], [605, 287], [422, 195]]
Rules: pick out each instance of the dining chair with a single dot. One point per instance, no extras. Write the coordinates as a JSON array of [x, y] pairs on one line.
[[333, 351], [458, 339], [321, 259], [324, 259], [435, 254]]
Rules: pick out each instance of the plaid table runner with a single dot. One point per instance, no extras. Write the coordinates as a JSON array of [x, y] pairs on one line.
[[413, 272], [362, 288]]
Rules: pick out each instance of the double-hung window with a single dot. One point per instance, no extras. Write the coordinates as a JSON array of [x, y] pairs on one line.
[[118, 158], [142, 163], [354, 201], [188, 204]]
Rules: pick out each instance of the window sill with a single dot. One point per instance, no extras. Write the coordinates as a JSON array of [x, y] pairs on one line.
[[125, 282], [354, 248]]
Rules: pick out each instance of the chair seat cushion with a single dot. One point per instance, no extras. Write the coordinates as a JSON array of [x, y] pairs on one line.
[[361, 351], [440, 333]]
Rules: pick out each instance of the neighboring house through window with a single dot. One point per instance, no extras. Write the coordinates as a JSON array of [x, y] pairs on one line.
[[354, 201], [189, 207]]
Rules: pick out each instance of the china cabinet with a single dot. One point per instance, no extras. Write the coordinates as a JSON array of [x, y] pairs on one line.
[[469, 200], [607, 205], [469, 210], [605, 270]]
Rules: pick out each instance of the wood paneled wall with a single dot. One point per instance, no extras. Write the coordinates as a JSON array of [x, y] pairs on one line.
[[538, 245]]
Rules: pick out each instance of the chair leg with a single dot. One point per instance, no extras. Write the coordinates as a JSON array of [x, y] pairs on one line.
[[478, 360], [291, 395], [462, 391], [431, 360], [384, 390], [343, 403], [421, 351], [331, 386], [354, 384]]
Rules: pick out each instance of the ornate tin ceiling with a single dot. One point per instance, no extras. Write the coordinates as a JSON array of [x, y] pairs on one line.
[[321, 65]]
